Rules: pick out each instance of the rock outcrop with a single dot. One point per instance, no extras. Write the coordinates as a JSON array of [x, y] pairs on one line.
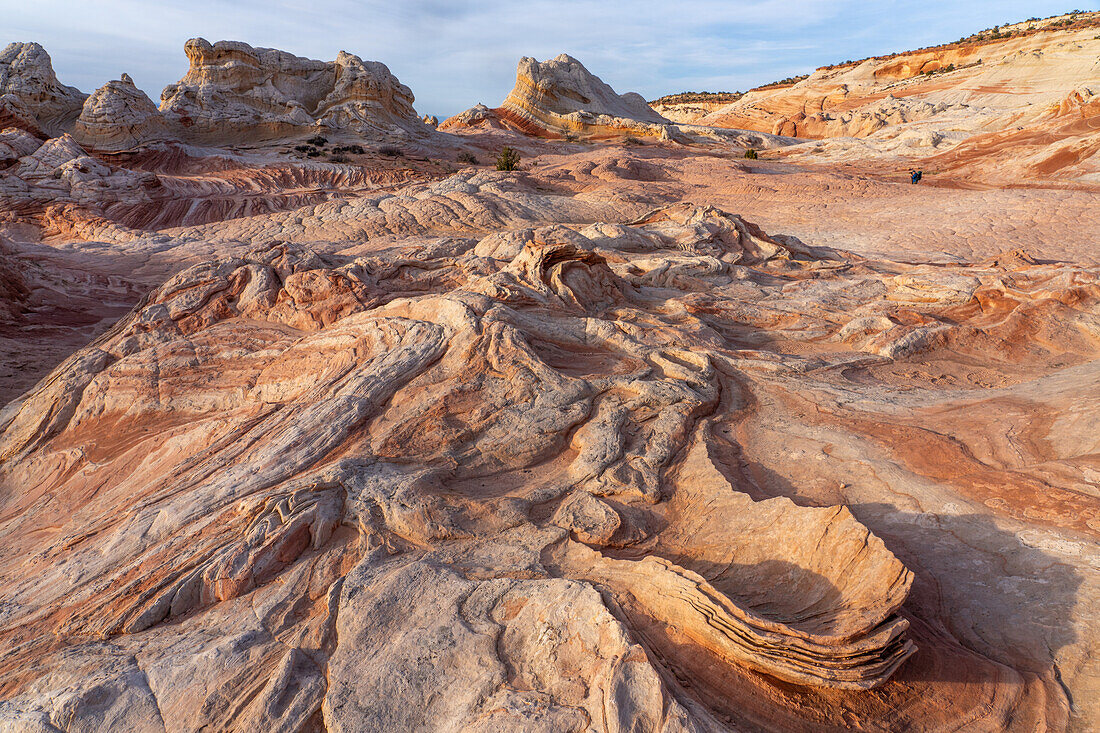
[[561, 96], [16, 143], [233, 91], [118, 116], [26, 73]]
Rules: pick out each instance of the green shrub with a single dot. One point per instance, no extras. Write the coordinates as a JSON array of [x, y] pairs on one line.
[[508, 160], [390, 151], [318, 141], [750, 154], [338, 158], [631, 140], [466, 158]]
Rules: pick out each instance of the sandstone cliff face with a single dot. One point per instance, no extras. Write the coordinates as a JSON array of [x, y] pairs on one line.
[[234, 91], [26, 73], [689, 112], [118, 116]]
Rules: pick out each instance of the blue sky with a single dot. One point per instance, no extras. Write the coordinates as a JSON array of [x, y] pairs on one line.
[[455, 54]]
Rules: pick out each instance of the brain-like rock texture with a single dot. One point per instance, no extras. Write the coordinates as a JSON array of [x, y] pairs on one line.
[[118, 116], [234, 90], [26, 72]]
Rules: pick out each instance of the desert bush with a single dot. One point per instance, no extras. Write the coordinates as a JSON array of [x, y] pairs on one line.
[[318, 141], [689, 97], [467, 158], [391, 151], [352, 149], [313, 153], [791, 80], [338, 158], [751, 154], [508, 160], [303, 148], [631, 140]]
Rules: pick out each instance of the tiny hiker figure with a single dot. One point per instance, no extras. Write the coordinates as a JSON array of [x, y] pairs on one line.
[[914, 176]]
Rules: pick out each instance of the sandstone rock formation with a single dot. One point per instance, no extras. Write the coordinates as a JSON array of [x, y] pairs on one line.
[[315, 454], [560, 98], [118, 116], [562, 95], [365, 443], [978, 84], [234, 91], [16, 143], [26, 73]]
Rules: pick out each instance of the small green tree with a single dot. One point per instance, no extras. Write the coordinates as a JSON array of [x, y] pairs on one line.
[[508, 160], [750, 154]]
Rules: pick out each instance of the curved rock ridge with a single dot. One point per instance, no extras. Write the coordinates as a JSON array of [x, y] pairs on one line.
[[347, 426], [26, 72], [118, 116], [233, 91], [389, 445]]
